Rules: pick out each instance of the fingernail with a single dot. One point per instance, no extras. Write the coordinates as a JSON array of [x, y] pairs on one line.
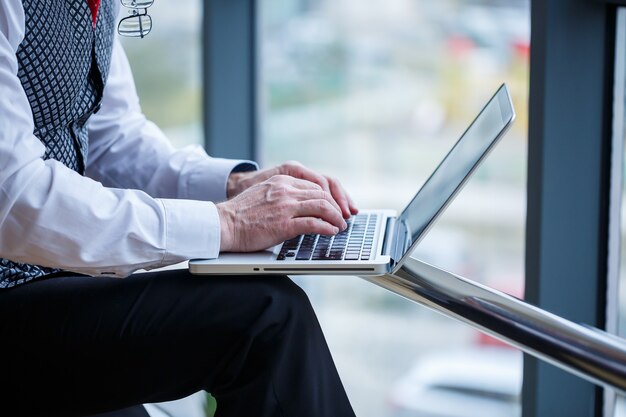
[[336, 229], [345, 225]]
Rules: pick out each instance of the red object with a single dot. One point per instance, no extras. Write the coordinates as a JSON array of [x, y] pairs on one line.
[[522, 49], [94, 5], [460, 46], [486, 340]]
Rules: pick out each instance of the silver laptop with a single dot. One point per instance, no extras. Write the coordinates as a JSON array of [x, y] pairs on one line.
[[377, 242]]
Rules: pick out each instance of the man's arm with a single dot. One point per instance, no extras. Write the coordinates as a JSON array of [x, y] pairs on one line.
[[52, 216], [128, 151]]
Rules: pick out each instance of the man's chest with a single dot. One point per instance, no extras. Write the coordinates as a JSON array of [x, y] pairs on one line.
[[56, 57]]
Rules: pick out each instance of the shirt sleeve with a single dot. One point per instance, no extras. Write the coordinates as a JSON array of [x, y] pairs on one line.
[[128, 151], [54, 217]]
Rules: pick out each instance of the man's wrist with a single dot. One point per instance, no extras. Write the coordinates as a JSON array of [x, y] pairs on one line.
[[226, 217], [232, 184]]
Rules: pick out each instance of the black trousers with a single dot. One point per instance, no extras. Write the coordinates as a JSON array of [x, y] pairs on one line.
[[79, 346]]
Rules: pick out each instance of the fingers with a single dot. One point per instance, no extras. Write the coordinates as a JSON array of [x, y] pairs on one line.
[[302, 184], [340, 195], [331, 185], [319, 195], [322, 209], [297, 170], [307, 190], [311, 225], [313, 201]]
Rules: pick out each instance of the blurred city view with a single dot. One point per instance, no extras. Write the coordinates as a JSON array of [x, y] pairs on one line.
[[375, 93]]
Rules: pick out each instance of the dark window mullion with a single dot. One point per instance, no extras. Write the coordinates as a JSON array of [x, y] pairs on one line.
[[229, 58], [568, 185]]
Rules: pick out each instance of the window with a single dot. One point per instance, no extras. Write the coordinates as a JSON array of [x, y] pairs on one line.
[[376, 96], [167, 75]]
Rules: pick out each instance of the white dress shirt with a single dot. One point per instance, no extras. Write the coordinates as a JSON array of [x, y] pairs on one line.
[[142, 204]]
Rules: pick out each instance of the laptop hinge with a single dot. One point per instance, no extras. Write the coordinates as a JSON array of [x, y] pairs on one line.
[[390, 232], [401, 242]]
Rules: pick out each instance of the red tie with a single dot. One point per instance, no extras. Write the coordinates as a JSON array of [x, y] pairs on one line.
[[94, 5]]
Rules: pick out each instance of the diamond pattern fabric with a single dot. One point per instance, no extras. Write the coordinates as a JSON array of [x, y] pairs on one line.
[[63, 62]]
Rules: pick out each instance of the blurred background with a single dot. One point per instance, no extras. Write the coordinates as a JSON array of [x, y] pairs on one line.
[[375, 93]]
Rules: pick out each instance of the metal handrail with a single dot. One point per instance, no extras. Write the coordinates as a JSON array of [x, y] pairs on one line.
[[585, 351]]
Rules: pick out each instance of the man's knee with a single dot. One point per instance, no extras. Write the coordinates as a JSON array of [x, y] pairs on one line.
[[285, 299]]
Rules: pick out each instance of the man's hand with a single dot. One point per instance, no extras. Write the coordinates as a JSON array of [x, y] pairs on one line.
[[275, 210], [241, 181]]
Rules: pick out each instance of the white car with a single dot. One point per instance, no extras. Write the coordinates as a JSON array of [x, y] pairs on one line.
[[479, 380]]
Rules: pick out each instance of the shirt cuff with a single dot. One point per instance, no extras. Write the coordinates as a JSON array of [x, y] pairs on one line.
[[207, 181], [192, 230]]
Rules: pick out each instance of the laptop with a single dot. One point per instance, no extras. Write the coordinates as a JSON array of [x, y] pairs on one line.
[[377, 242]]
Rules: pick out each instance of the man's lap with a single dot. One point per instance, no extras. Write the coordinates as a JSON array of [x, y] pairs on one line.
[[72, 342]]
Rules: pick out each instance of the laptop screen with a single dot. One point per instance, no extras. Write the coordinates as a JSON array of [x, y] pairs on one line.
[[455, 168]]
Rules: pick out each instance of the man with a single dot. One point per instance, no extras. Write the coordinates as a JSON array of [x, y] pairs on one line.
[[91, 191]]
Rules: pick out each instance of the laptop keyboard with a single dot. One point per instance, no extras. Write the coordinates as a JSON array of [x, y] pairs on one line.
[[353, 244]]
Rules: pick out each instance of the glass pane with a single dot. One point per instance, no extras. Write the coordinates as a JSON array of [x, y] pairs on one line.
[[375, 93], [617, 291], [167, 69]]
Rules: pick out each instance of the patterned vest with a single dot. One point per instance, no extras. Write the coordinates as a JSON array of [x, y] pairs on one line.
[[63, 64]]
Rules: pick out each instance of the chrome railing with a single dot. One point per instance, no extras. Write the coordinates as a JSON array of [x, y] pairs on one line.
[[585, 351]]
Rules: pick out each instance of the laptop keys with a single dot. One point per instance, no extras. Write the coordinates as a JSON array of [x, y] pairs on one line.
[[306, 248], [329, 256], [352, 244], [289, 248]]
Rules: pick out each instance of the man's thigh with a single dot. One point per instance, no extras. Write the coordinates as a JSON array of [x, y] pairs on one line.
[[84, 345]]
